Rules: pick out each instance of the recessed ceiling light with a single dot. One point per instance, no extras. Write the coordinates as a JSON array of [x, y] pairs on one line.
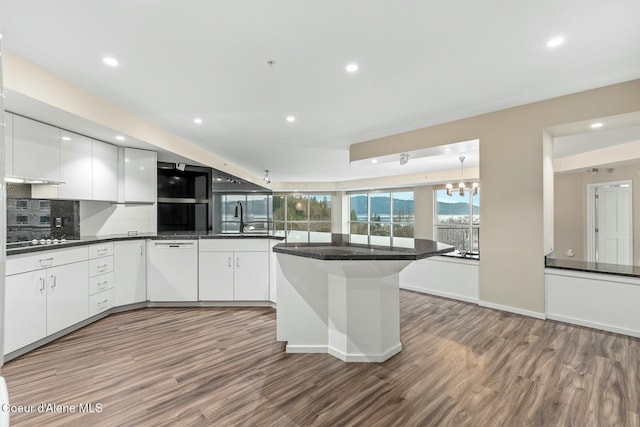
[[352, 68], [197, 121], [374, 161], [291, 119], [596, 125], [120, 138], [110, 61], [555, 41], [65, 138]]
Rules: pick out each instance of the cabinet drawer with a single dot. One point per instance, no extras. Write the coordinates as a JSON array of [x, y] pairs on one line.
[[22, 263], [100, 249], [100, 302], [234, 245], [100, 266], [100, 283]]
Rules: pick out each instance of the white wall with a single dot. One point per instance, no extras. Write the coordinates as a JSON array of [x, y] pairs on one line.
[[101, 218]]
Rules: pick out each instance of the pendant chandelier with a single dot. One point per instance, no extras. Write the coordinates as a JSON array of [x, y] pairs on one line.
[[461, 187]]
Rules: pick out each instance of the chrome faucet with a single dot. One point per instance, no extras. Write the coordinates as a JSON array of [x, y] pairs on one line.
[[241, 216]]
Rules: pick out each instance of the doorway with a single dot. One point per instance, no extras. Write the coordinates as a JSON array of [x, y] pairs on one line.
[[610, 223]]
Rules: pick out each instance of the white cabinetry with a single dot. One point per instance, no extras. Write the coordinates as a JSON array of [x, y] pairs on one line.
[[75, 166], [66, 296], [8, 144], [140, 175], [44, 293], [172, 270], [36, 149], [104, 171], [101, 282], [25, 311], [130, 272], [234, 270]]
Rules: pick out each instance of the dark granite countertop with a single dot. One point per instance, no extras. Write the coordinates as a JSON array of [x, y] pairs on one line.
[[344, 251], [593, 267], [28, 247]]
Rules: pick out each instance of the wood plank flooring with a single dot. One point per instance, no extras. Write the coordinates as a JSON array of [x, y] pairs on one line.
[[462, 365]]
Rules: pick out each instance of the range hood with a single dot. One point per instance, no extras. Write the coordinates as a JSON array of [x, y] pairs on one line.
[[34, 181]]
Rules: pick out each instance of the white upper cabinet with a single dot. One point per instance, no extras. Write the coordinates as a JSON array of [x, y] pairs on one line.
[[36, 149], [75, 166], [105, 171], [140, 175], [8, 143]]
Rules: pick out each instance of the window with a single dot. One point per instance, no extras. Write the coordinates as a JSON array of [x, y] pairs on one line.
[[382, 218], [457, 220], [45, 219], [255, 213], [302, 217], [22, 219], [21, 204]]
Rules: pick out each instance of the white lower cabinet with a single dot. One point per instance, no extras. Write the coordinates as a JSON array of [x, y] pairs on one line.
[[238, 275], [215, 276], [25, 309], [42, 302], [67, 290], [130, 272]]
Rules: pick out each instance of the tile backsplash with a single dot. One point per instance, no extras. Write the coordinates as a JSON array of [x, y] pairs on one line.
[[29, 219]]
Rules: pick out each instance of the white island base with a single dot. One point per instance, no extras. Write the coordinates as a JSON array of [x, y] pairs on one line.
[[348, 308]]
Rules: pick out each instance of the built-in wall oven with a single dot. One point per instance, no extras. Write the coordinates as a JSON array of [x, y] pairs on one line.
[[184, 198]]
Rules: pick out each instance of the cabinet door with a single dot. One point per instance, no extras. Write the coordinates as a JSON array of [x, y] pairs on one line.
[[8, 144], [251, 276], [140, 175], [105, 171], [25, 308], [75, 166], [130, 272], [215, 276], [36, 149], [67, 296]]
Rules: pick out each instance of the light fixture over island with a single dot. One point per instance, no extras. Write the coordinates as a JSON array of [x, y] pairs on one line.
[[343, 298]]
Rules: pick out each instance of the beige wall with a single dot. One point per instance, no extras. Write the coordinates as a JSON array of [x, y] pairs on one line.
[[513, 185], [571, 208]]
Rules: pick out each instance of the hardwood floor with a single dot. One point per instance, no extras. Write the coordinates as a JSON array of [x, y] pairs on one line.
[[461, 365]]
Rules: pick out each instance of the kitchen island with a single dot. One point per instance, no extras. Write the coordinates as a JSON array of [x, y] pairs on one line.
[[342, 298]]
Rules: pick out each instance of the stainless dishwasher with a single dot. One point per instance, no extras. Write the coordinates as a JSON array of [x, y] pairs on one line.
[[172, 270]]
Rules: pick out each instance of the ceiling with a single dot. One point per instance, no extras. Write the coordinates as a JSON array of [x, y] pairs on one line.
[[420, 63]]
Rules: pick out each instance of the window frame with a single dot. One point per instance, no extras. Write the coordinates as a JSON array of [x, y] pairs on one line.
[[473, 243], [391, 221], [285, 222]]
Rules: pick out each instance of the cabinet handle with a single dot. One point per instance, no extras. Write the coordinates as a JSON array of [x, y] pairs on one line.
[[101, 284], [237, 261], [141, 250], [54, 281], [42, 285], [102, 303], [229, 261], [101, 267], [45, 262], [102, 251]]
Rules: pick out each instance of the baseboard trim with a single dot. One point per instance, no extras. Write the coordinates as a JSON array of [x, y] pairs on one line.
[[365, 358], [306, 348], [594, 325], [515, 310], [439, 293]]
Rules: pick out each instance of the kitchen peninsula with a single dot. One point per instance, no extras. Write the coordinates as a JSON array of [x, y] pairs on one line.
[[342, 298]]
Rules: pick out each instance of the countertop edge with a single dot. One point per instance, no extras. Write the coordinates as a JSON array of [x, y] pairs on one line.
[[84, 241]]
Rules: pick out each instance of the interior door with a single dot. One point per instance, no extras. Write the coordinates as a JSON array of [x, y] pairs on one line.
[[613, 225]]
